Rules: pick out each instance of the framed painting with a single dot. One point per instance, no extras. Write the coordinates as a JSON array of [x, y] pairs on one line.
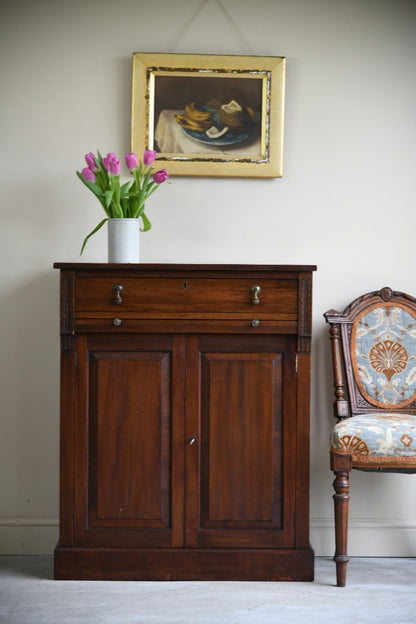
[[210, 115]]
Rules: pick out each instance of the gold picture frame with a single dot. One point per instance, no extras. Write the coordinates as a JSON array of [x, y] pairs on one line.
[[210, 115]]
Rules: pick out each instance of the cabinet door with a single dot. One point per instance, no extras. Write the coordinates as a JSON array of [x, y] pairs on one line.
[[241, 452], [129, 429]]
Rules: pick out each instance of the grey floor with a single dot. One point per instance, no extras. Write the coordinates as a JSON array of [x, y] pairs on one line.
[[379, 590]]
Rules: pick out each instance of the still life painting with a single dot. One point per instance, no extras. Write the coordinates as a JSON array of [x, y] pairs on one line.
[[209, 114]]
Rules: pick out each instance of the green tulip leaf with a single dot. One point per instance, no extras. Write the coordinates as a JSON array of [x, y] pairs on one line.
[[146, 223], [108, 198], [124, 189], [91, 185], [100, 225]]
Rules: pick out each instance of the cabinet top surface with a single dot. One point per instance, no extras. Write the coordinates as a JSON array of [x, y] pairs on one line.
[[79, 266]]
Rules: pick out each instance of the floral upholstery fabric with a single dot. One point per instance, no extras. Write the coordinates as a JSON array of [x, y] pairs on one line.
[[376, 436], [383, 352]]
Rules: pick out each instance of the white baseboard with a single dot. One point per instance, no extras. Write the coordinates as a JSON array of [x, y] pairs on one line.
[[369, 537], [28, 535]]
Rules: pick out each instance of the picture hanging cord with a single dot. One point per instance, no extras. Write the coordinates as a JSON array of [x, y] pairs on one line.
[[193, 18]]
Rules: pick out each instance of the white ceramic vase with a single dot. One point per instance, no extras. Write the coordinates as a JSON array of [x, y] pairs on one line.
[[123, 240]]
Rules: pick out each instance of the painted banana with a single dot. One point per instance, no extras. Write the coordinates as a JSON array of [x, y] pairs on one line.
[[191, 124], [195, 114]]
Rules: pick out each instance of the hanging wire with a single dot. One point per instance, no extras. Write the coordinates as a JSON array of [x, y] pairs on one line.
[[194, 16]]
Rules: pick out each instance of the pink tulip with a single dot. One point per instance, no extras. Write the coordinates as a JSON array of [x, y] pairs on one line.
[[106, 160], [111, 163], [149, 157], [115, 166], [91, 162], [131, 161], [160, 176], [88, 174]]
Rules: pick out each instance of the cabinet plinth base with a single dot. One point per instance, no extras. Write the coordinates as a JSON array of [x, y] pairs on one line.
[[183, 565]]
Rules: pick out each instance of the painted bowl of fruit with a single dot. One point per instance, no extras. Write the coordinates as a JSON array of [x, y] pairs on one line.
[[217, 124]]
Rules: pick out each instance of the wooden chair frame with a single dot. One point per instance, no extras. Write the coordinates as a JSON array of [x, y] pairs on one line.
[[349, 401]]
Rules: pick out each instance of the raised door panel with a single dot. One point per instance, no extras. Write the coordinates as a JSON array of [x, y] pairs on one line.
[[130, 436], [132, 465], [239, 402]]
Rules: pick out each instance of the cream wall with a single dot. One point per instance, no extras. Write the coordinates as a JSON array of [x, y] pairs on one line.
[[346, 203]]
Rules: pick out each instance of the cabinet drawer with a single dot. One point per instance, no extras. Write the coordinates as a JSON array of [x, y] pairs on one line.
[[186, 298]]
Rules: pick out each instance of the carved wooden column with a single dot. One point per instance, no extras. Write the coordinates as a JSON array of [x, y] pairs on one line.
[[340, 404], [341, 465]]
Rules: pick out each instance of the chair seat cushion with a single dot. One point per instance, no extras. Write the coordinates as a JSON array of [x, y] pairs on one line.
[[374, 436]]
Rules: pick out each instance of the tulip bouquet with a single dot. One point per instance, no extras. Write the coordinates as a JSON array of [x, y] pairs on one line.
[[121, 201]]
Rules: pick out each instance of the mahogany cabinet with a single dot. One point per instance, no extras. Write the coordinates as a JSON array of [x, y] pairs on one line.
[[184, 422]]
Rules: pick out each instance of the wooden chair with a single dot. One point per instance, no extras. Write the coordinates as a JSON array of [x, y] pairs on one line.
[[374, 360]]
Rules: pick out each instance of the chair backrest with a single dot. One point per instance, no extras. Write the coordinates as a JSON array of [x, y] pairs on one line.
[[374, 350]]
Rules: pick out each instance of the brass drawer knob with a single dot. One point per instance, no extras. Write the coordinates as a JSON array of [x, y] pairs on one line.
[[255, 322], [117, 322], [255, 290], [117, 289]]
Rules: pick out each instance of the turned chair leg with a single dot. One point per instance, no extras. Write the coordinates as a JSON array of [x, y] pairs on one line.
[[341, 500]]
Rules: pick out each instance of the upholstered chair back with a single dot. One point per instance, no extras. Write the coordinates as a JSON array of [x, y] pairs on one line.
[[378, 335]]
